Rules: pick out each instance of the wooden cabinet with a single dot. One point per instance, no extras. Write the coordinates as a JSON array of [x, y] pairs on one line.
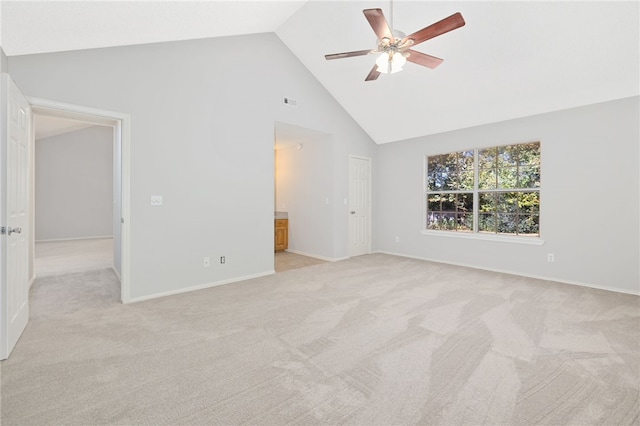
[[281, 234]]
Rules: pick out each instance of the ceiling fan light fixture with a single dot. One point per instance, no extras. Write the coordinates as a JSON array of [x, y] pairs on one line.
[[390, 62]]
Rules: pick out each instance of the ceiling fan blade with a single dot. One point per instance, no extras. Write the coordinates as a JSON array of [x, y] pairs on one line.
[[373, 74], [423, 59], [347, 54], [444, 26], [379, 24]]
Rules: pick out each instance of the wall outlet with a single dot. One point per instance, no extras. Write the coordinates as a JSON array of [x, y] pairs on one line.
[[156, 200], [550, 258], [206, 262], [223, 259]]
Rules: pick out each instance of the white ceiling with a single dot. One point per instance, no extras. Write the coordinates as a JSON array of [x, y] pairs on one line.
[[46, 127], [54, 25], [511, 59]]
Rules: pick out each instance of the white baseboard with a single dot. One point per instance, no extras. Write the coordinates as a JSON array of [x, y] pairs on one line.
[[538, 277], [117, 274], [197, 287], [315, 256], [100, 237]]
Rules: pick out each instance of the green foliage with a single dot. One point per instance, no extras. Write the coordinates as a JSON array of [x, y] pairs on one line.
[[450, 172], [509, 167], [450, 211], [509, 212]]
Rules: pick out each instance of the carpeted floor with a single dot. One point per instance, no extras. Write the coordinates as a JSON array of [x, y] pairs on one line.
[[67, 256], [285, 261], [373, 340]]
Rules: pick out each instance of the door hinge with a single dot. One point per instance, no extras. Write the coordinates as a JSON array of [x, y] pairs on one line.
[[3, 230]]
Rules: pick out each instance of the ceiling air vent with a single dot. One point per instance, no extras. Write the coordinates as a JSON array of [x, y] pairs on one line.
[[290, 102]]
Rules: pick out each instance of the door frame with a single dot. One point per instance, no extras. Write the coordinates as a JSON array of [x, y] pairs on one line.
[[122, 137], [370, 202]]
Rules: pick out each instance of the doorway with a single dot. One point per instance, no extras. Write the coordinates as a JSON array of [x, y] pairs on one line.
[[303, 195], [73, 196], [93, 252]]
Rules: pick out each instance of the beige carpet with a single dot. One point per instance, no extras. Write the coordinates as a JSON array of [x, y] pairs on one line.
[[374, 340], [285, 261], [63, 257]]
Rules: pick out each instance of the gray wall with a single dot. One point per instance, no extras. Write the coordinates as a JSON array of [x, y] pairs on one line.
[[589, 197], [4, 63], [74, 185], [202, 136]]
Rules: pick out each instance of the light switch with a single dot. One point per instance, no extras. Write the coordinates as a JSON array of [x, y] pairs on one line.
[[156, 200]]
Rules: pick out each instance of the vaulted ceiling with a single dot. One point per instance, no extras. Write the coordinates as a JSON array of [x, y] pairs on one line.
[[511, 59]]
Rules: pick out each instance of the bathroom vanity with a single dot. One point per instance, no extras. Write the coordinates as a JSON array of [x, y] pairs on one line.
[[281, 230]]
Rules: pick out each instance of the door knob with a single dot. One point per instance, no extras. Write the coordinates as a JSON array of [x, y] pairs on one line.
[[353, 212], [12, 230]]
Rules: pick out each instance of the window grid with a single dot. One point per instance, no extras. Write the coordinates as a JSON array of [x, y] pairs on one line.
[[514, 208]]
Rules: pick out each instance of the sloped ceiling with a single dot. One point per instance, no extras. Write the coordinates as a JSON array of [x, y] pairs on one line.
[[46, 127], [511, 59], [54, 25]]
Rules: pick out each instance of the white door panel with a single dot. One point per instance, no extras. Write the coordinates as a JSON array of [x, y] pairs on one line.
[[15, 198], [359, 206]]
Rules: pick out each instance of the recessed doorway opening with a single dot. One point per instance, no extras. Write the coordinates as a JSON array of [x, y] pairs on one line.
[[303, 197], [99, 233]]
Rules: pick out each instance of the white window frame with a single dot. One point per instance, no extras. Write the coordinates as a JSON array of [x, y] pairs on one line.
[[475, 235]]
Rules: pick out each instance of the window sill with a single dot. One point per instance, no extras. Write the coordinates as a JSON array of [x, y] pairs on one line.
[[537, 241]]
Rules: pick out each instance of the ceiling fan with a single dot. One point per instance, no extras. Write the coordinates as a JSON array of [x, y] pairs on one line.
[[395, 47]]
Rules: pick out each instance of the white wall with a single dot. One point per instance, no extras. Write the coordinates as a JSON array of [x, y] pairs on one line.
[[202, 135], [304, 170], [589, 197], [74, 185], [4, 63]]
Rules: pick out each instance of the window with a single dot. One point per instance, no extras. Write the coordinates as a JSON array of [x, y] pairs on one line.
[[487, 191]]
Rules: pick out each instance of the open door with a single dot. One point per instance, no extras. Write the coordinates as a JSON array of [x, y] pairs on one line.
[[15, 157]]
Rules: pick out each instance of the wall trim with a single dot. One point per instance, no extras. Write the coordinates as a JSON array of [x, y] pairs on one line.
[[198, 287], [54, 240], [32, 280], [502, 271], [316, 256], [116, 273]]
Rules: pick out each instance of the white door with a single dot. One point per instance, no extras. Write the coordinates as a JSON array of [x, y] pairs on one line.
[[15, 211], [359, 205]]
